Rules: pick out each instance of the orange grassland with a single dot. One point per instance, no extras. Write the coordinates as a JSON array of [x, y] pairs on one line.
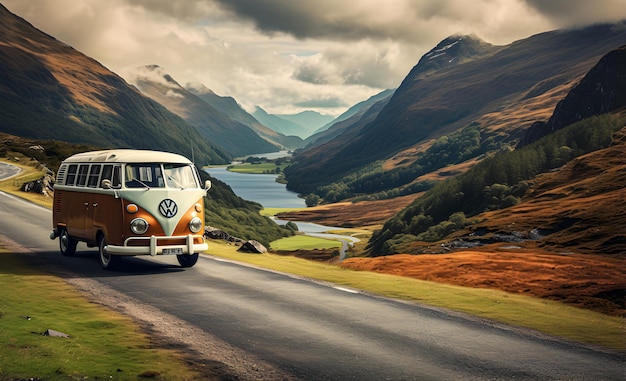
[[582, 261]]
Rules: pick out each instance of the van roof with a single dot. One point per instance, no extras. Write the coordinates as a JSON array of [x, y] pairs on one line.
[[127, 156]]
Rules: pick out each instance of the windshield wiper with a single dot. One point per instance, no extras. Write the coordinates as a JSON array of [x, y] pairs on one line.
[[170, 178], [141, 182]]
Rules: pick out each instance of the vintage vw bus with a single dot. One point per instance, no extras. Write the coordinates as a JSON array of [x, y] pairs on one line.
[[130, 202]]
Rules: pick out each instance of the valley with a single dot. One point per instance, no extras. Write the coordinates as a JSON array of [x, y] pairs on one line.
[[448, 167]]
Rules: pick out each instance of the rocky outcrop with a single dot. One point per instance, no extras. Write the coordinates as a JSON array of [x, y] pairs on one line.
[[44, 185], [601, 91], [253, 246], [214, 233]]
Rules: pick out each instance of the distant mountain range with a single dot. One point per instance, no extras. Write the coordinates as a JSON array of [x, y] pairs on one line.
[[218, 119], [302, 124]]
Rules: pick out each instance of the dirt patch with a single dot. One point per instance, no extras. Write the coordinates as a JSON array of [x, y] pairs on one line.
[[350, 215]]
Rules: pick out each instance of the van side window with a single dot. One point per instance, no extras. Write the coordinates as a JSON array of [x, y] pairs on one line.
[[82, 175], [116, 180], [94, 174], [111, 173], [71, 174], [107, 172]]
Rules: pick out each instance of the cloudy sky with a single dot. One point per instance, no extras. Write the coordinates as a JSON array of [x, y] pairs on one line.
[[291, 55]]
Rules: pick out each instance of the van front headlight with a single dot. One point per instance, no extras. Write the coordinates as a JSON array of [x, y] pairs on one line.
[[139, 226], [195, 224]]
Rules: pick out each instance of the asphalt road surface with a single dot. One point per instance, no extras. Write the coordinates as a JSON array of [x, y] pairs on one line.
[[315, 331], [8, 170]]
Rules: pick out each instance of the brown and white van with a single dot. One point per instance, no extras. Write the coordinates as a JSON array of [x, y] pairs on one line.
[[130, 202]]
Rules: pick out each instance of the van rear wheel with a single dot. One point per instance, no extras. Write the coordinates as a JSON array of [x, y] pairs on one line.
[[187, 260], [67, 244], [107, 261]]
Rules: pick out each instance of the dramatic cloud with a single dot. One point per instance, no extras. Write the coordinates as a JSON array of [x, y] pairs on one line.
[[287, 55]]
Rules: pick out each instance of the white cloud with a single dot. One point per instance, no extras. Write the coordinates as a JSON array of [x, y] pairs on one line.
[[285, 54]]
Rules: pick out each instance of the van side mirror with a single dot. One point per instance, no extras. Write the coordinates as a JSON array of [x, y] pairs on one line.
[[207, 185], [106, 184]]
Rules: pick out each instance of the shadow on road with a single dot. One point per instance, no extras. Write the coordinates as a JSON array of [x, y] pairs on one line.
[[85, 264]]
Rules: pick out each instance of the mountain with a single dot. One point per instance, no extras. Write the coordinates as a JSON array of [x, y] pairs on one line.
[[229, 107], [236, 137], [302, 124], [350, 117], [310, 121], [48, 90], [492, 93], [565, 189], [277, 123], [601, 91]]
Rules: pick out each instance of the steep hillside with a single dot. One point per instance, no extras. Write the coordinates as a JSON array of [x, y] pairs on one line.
[[580, 205], [49, 90], [237, 138], [498, 91], [229, 107], [601, 91]]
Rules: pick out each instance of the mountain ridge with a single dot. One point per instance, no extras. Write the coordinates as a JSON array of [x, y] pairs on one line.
[[50, 90], [492, 81], [226, 127]]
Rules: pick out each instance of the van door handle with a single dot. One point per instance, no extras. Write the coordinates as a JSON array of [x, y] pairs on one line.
[[86, 204], [95, 204]]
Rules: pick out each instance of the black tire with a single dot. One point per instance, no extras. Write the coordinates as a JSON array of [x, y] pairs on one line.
[[67, 244], [187, 260], [107, 261]]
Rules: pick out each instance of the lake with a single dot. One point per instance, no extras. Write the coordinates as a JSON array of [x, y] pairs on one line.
[[259, 188]]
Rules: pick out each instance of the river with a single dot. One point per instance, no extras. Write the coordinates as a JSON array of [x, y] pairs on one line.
[[266, 191]]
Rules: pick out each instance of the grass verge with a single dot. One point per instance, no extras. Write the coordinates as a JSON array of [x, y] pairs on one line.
[[102, 344], [549, 317], [303, 242]]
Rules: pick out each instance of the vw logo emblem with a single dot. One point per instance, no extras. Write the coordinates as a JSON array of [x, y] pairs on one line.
[[168, 208]]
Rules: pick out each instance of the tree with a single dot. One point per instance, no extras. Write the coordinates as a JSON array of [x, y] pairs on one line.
[[312, 200]]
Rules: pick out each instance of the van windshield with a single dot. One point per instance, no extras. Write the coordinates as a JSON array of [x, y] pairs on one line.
[[180, 176], [153, 175]]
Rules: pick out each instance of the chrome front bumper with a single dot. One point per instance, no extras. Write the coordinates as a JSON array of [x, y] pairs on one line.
[[157, 245]]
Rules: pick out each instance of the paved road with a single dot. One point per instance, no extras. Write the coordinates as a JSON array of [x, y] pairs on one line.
[[8, 170], [318, 332]]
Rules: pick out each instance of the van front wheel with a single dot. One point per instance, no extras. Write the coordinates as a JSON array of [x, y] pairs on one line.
[[187, 260], [107, 261], [67, 244]]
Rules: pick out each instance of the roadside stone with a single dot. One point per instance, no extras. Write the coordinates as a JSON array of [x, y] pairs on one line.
[[253, 246]]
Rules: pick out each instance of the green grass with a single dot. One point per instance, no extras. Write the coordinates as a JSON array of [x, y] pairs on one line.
[[255, 168], [304, 242], [546, 316], [102, 344], [274, 211]]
